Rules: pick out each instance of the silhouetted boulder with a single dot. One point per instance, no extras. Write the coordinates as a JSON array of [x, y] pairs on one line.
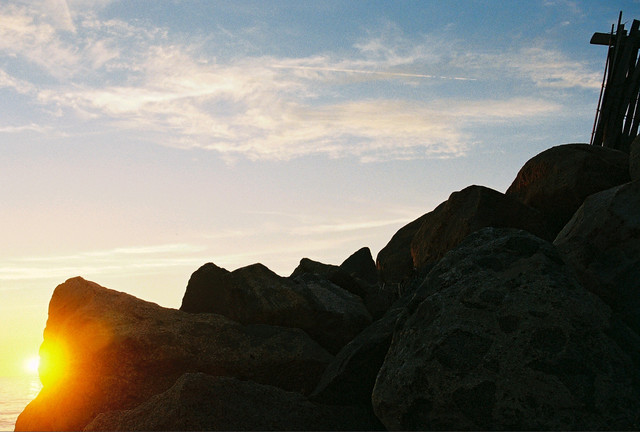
[[602, 243], [394, 261], [203, 402], [360, 265], [376, 299], [502, 336], [105, 350], [634, 159], [254, 294], [424, 241], [467, 211], [558, 180]]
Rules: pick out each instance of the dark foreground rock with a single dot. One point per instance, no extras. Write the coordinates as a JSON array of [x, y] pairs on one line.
[[203, 402], [106, 350], [558, 180], [602, 243], [634, 159], [502, 336], [254, 294]]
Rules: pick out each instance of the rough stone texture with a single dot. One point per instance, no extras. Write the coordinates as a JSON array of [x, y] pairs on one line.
[[634, 159], [254, 294], [467, 211], [111, 351], [557, 181], [602, 243], [502, 336], [203, 402]]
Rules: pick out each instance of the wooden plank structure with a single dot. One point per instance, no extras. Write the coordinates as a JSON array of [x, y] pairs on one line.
[[618, 113]]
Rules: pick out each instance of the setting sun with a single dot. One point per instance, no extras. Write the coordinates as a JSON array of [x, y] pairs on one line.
[[31, 364]]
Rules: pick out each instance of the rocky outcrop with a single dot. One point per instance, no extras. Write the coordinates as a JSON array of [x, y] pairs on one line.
[[558, 180], [500, 335], [467, 211], [360, 265], [394, 261], [602, 243], [255, 295], [362, 280], [105, 350], [492, 327], [202, 402], [424, 241]]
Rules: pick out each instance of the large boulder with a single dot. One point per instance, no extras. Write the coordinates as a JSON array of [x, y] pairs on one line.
[[361, 266], [359, 276], [602, 243], [105, 350], [378, 297], [502, 336], [394, 261], [557, 181], [421, 243], [255, 295], [203, 402], [467, 211]]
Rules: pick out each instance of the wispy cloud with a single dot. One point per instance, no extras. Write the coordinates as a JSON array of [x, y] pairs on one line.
[[120, 75]]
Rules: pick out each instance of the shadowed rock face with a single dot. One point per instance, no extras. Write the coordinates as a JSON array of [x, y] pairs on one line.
[[500, 335], [602, 243], [111, 351], [558, 180], [254, 294], [424, 241], [203, 402]]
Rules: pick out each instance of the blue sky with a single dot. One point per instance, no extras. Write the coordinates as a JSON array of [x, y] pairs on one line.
[[142, 139]]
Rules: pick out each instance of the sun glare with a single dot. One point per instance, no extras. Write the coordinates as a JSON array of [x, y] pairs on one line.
[[31, 364]]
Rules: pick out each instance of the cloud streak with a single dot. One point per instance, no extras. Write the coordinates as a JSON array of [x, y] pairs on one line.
[[181, 95]]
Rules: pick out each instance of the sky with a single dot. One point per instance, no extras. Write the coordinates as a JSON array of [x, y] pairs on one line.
[[140, 140]]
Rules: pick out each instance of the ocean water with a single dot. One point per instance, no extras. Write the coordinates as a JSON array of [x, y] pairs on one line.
[[15, 394]]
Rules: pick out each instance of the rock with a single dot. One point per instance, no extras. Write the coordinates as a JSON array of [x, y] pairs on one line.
[[331, 273], [360, 265], [394, 261], [467, 211], [254, 294], [634, 159], [105, 350], [349, 378], [376, 299], [502, 336], [557, 181], [602, 243], [203, 402]]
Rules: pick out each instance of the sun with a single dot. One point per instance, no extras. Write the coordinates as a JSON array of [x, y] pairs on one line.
[[32, 364]]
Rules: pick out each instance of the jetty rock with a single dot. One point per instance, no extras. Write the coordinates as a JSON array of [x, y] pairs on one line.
[[423, 242], [203, 402], [502, 336], [558, 180], [105, 350], [330, 314], [602, 244]]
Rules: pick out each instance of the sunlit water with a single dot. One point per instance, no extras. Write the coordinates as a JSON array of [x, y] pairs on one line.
[[15, 394]]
